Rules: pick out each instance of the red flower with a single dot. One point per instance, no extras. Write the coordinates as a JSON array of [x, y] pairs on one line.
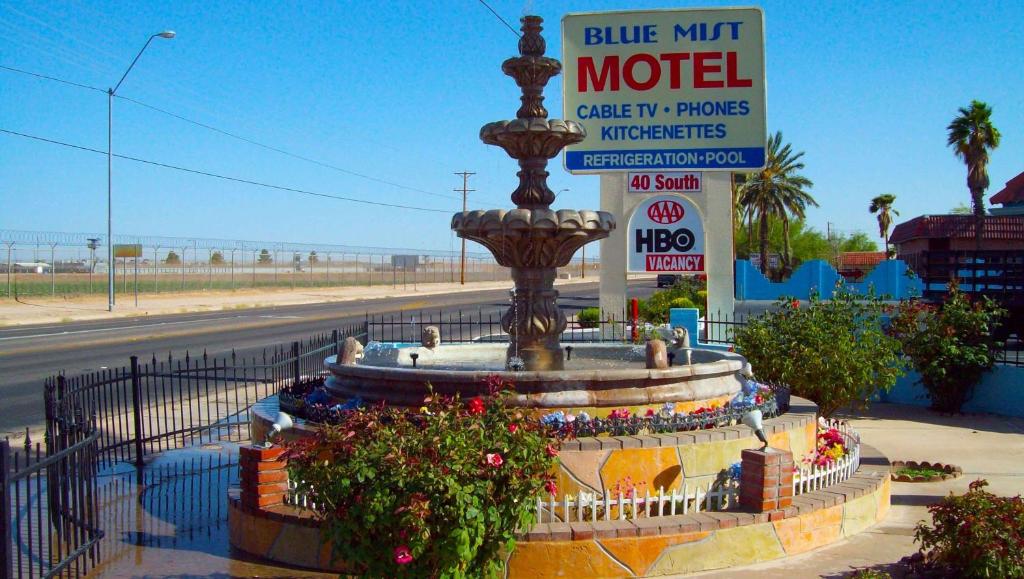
[[552, 451], [402, 555], [551, 487], [649, 413], [513, 427], [494, 459], [476, 406], [795, 304]]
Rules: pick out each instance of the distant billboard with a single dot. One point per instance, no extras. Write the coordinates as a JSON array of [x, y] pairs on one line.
[[405, 262], [127, 250]]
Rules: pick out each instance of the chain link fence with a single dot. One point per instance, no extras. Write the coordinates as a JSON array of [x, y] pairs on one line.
[[36, 263]]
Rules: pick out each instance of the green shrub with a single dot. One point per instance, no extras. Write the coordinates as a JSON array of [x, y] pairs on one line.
[[832, 352], [655, 308], [949, 346], [977, 534], [589, 317], [433, 493]]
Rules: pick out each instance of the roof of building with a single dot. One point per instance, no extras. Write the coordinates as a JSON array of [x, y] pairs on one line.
[[1012, 193], [860, 259], [997, 227]]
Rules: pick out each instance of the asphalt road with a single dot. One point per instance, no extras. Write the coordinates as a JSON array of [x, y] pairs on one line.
[[29, 354]]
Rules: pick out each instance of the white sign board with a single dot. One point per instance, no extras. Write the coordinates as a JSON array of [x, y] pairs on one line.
[[665, 89], [664, 182], [666, 235]]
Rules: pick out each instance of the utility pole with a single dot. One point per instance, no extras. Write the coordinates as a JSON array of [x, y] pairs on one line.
[[464, 190]]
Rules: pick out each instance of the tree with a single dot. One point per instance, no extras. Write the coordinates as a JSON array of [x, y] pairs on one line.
[[265, 256], [961, 209], [859, 241], [313, 258], [777, 191], [172, 258], [972, 135], [882, 205], [217, 258]]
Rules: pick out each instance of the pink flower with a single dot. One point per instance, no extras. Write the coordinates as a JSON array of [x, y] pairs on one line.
[[476, 406], [494, 459], [402, 555], [513, 427], [619, 413], [552, 451], [551, 487]]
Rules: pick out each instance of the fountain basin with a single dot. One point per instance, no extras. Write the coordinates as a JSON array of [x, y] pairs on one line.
[[597, 376]]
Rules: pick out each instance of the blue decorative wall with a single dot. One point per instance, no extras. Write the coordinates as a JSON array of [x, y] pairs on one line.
[[999, 392], [890, 278]]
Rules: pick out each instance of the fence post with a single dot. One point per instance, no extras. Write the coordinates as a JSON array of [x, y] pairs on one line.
[[6, 549], [137, 410], [296, 366], [337, 342]]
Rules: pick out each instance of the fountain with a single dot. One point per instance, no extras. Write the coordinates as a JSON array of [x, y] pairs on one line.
[[534, 240], [684, 443]]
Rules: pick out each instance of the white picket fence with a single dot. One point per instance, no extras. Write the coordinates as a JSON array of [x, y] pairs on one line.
[[296, 499], [680, 501], [813, 477], [688, 498]]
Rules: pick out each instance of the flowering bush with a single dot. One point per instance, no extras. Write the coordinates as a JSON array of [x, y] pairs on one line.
[[831, 446], [833, 352], [622, 422], [977, 534], [950, 346], [433, 493]]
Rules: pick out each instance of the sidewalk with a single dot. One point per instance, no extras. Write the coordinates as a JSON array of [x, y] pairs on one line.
[[170, 537], [985, 446], [49, 310]]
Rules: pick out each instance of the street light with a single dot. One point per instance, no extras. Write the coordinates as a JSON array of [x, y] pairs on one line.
[[110, 154]]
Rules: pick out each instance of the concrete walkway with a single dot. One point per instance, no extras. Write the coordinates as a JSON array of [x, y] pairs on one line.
[[985, 446], [177, 526]]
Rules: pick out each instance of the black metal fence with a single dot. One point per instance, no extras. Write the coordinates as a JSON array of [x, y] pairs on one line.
[[480, 326], [49, 514], [155, 405]]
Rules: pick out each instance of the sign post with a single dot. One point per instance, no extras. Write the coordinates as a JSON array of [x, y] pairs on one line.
[[673, 102]]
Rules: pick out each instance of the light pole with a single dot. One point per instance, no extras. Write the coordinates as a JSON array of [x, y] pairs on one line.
[[110, 155]]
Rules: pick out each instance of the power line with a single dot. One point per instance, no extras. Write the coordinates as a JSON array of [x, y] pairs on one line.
[[233, 135], [53, 78], [224, 177], [498, 16]]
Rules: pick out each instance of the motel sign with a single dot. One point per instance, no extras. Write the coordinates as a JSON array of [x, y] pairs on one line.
[[665, 89]]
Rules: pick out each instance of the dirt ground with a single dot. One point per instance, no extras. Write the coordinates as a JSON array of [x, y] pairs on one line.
[[49, 310]]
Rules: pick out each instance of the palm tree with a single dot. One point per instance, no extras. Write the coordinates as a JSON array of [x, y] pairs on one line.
[[972, 135], [777, 191], [882, 205]]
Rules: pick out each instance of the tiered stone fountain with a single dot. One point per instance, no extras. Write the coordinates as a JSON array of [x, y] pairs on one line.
[[533, 240]]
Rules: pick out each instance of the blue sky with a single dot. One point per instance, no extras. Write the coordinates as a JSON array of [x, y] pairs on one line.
[[398, 92]]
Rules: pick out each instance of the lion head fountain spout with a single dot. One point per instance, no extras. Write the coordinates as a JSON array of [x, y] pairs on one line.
[[532, 239]]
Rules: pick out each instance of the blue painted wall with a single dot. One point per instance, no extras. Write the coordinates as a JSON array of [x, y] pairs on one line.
[[889, 278], [1000, 391]]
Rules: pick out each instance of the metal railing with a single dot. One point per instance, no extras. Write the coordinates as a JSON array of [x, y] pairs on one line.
[[48, 510], [151, 406], [481, 326]]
